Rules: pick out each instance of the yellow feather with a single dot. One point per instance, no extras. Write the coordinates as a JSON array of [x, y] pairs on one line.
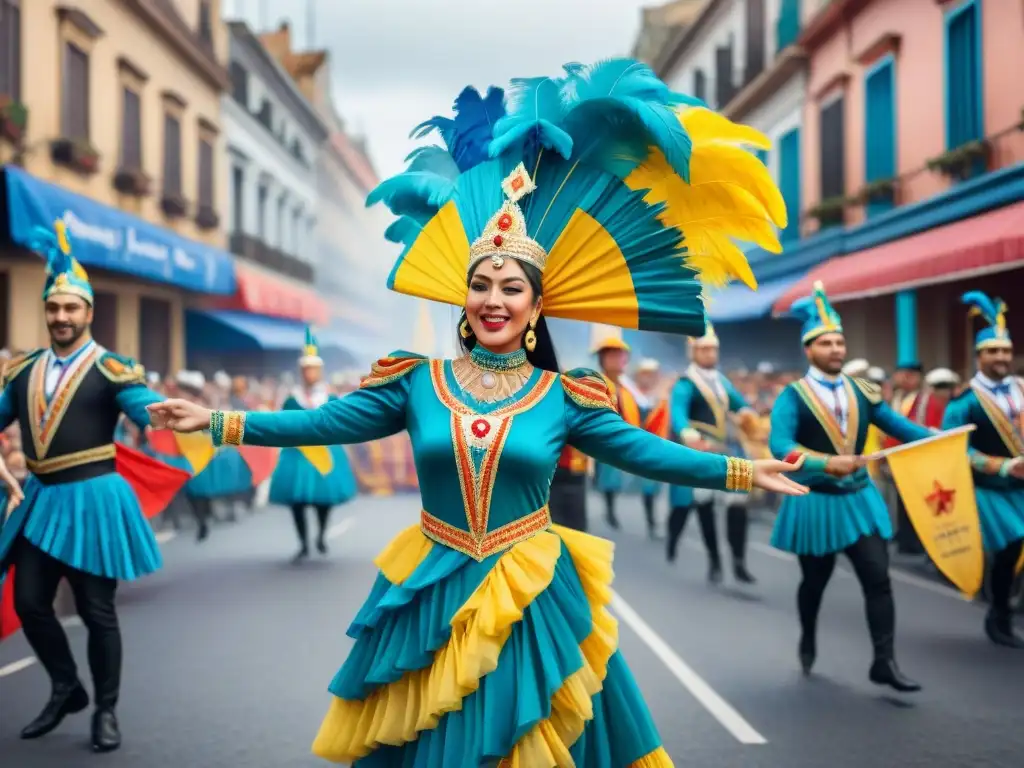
[[725, 164], [78, 270], [722, 250], [705, 126]]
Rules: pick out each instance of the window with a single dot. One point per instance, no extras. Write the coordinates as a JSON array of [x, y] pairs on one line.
[[789, 182], [281, 222], [700, 85], [205, 22], [172, 156], [297, 239], [964, 77], [237, 199], [10, 49], [787, 28], [206, 174], [832, 147], [723, 75], [755, 39], [239, 83], [155, 335], [104, 321], [74, 114], [880, 129], [762, 155], [261, 213], [131, 131]]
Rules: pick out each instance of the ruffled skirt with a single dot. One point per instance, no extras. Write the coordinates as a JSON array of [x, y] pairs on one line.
[[1002, 517], [509, 662], [824, 523], [94, 525], [226, 475], [297, 481]]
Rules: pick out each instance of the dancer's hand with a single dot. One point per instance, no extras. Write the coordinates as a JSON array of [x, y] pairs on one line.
[[14, 493], [770, 475], [1016, 468], [179, 415], [841, 466]]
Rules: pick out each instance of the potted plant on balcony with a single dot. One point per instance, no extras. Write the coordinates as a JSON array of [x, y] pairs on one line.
[[173, 204], [13, 119], [829, 212], [879, 191], [963, 162], [207, 218], [132, 181], [77, 154]]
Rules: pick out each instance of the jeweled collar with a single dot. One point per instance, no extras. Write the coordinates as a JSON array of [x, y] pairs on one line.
[[499, 363]]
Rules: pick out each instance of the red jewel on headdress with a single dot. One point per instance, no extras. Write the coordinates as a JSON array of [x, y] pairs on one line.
[[498, 240], [480, 428], [504, 222]]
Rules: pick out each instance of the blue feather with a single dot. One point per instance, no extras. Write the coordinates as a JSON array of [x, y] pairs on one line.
[[616, 78], [445, 126], [475, 118], [404, 230], [432, 159], [412, 190], [985, 306], [804, 309], [534, 109], [43, 240]]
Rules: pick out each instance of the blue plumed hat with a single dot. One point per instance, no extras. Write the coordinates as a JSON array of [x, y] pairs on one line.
[[63, 273], [993, 312], [310, 351], [627, 198], [818, 315]]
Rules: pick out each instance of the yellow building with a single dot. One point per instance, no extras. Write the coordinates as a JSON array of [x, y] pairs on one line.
[[123, 106]]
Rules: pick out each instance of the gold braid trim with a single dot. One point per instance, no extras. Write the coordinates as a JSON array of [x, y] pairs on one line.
[[69, 460], [389, 369], [739, 474], [588, 391], [869, 389], [121, 370], [19, 364], [231, 425]]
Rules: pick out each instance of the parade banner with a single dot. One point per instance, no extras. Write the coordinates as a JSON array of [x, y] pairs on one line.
[[934, 480], [197, 447], [155, 483], [320, 457]]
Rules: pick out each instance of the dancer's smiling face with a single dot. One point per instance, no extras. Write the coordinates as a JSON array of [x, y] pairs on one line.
[[500, 303]]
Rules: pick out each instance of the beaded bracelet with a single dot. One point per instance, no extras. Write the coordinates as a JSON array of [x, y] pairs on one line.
[[217, 427]]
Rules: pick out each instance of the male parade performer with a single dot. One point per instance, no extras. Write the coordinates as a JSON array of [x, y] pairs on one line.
[[701, 403], [80, 520], [613, 357], [994, 403], [823, 419]]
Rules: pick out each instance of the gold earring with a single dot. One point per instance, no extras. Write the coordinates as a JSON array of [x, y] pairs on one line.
[[530, 339], [464, 329]]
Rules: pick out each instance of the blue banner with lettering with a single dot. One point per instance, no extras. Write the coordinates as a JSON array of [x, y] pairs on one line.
[[108, 238]]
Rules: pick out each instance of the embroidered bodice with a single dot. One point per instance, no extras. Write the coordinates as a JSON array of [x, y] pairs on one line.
[[485, 468]]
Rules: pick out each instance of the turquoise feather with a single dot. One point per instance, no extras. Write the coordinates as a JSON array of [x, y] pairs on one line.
[[445, 127], [412, 189], [433, 159], [43, 241], [404, 230], [987, 307], [534, 109]]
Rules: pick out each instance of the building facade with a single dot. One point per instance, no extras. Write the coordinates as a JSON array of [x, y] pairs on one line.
[[110, 120], [913, 168], [273, 140]]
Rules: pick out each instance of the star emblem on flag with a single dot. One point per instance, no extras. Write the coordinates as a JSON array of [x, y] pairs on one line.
[[941, 500]]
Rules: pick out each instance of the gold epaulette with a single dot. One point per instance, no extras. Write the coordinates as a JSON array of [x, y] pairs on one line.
[[587, 388], [391, 368], [121, 370], [869, 389], [18, 364]]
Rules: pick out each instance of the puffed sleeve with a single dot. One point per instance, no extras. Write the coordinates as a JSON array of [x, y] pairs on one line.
[[377, 409], [595, 428]]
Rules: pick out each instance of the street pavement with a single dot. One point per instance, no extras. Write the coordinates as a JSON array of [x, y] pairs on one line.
[[229, 650]]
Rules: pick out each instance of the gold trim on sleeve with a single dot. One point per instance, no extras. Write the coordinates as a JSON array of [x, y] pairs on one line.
[[234, 427], [739, 474], [69, 460]]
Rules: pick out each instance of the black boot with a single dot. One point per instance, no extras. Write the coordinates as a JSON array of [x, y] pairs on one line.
[[807, 653], [301, 555], [321, 544], [886, 672], [609, 512], [739, 570], [65, 700], [676, 525], [999, 628], [106, 734], [736, 523]]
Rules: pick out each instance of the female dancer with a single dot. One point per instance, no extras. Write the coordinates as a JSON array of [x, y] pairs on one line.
[[487, 638]]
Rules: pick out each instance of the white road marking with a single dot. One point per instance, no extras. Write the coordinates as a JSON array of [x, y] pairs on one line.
[[708, 698], [17, 666], [162, 537], [339, 528]]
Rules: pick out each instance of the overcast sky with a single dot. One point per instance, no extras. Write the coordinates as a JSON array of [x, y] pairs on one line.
[[398, 62]]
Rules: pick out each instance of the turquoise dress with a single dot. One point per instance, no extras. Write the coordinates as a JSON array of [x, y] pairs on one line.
[[487, 635], [297, 481], [992, 444], [227, 475], [94, 524], [838, 511], [695, 406]]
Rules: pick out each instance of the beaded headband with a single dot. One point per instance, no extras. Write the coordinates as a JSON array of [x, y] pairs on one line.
[[505, 234]]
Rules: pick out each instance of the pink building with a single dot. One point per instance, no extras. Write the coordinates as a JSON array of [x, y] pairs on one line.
[[913, 165]]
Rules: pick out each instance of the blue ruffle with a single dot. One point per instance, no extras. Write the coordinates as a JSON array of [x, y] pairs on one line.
[[1002, 517], [822, 523], [296, 481], [93, 525], [227, 474]]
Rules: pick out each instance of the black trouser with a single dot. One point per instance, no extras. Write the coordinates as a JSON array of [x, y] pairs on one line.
[[568, 501], [869, 557], [323, 511], [202, 510], [1004, 571], [609, 508], [36, 578], [737, 521], [907, 540], [649, 499]]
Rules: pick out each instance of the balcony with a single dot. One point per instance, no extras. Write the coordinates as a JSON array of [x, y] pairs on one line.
[[254, 250]]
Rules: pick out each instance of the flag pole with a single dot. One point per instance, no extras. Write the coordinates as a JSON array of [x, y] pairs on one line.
[[878, 456]]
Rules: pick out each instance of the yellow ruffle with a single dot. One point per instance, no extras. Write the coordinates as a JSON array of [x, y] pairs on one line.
[[393, 714], [657, 759], [404, 554], [547, 744]]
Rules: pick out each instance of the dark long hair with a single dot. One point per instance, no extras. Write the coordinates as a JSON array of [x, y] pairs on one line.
[[543, 355]]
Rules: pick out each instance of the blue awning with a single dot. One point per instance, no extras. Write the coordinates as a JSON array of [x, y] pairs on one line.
[[736, 303], [108, 238], [232, 331]]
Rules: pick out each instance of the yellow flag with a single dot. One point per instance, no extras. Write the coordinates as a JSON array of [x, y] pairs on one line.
[[320, 457], [197, 447], [934, 480]]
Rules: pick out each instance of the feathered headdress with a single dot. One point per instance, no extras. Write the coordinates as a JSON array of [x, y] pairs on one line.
[[624, 195], [993, 312], [310, 351], [63, 272], [818, 315], [708, 339]]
